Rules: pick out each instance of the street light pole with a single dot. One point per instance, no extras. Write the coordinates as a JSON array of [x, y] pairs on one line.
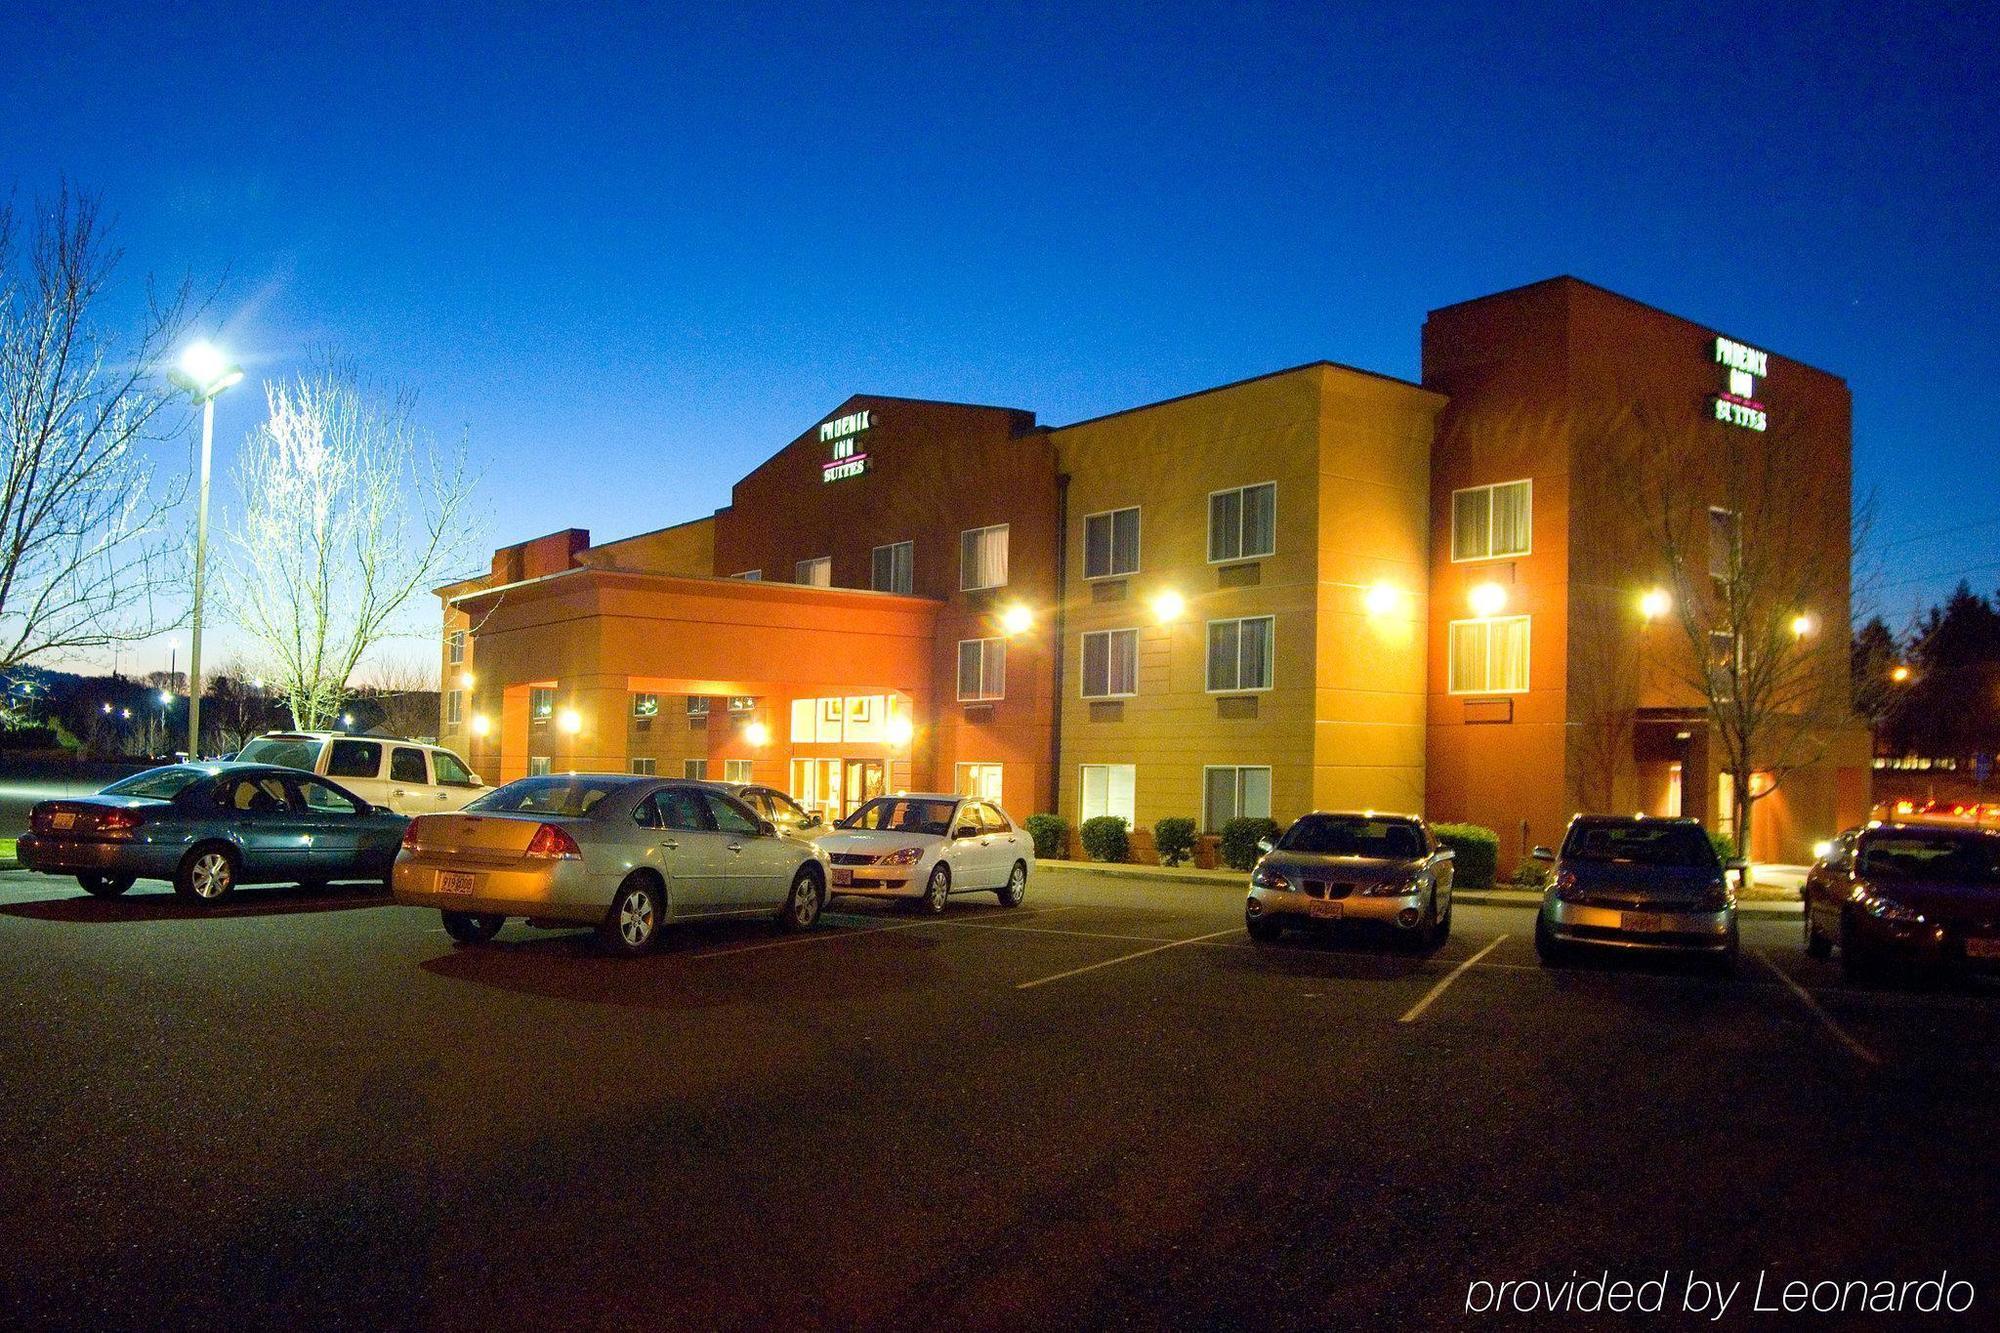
[[204, 372]]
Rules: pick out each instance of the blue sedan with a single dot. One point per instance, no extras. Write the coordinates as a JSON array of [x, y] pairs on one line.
[[210, 827]]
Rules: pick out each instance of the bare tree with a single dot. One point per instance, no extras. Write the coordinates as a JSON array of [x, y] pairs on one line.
[[238, 709], [347, 510], [402, 697], [85, 557]]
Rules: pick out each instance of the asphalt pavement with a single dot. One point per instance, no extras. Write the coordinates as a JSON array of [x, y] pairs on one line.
[[1107, 1107]]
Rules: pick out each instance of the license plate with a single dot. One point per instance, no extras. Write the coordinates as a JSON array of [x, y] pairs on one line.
[[1324, 909], [1646, 923], [456, 881], [843, 877], [1982, 948], [62, 819]]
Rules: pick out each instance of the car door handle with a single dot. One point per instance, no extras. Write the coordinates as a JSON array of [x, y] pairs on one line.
[[399, 792], [670, 845]]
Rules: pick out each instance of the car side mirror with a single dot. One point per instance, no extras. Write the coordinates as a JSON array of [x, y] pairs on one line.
[[1541, 854], [766, 829], [1264, 844]]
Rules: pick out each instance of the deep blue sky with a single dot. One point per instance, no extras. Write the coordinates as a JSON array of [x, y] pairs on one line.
[[635, 252]]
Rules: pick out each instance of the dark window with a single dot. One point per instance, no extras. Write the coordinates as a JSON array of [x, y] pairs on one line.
[[407, 765], [450, 771], [354, 759], [682, 809], [264, 795], [1341, 835], [1111, 544], [729, 815], [324, 800]]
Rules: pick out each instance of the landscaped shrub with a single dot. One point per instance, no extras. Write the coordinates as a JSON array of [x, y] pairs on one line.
[[1475, 853], [1174, 839], [1240, 838], [1051, 835], [1725, 846], [1530, 874], [1106, 838]]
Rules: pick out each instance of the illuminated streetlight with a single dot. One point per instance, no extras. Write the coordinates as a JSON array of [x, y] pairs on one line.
[[1654, 603], [757, 734], [204, 372], [1016, 619], [1487, 599], [1900, 674], [1167, 606], [1802, 625], [466, 680], [1382, 599], [570, 720], [900, 731], [166, 699], [481, 724]]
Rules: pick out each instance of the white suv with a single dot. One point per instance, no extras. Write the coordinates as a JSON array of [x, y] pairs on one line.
[[408, 777]]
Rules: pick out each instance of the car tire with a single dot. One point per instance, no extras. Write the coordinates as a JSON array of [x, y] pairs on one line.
[[1016, 888], [1263, 929], [105, 886], [937, 891], [1724, 963], [1548, 948], [1818, 943], [804, 903], [1860, 961], [632, 926], [472, 927], [1441, 928], [207, 874]]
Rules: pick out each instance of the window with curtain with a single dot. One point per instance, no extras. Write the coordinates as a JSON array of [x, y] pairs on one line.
[[1111, 544], [1492, 522], [736, 770], [646, 768], [982, 670], [982, 558], [1239, 653], [1234, 792], [1243, 523], [1488, 656], [541, 705], [894, 568], [695, 770], [1107, 789], [455, 647], [453, 707], [980, 780], [814, 573], [538, 765], [1110, 663], [645, 705]]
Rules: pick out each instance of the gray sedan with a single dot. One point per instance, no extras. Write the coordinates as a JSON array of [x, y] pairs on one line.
[[210, 827], [1330, 869], [624, 853]]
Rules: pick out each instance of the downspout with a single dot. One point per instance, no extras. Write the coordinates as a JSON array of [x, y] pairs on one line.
[[1061, 641]]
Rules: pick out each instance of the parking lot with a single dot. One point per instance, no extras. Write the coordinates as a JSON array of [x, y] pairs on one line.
[[1106, 1106]]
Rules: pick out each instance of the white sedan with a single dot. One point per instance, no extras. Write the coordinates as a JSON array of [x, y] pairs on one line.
[[925, 848]]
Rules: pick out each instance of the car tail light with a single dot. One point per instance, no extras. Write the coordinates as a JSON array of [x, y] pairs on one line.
[[553, 844], [410, 843], [119, 821]]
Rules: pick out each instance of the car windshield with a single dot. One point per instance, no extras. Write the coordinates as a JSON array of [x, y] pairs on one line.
[[903, 814], [300, 752], [568, 796], [1354, 835], [1642, 844], [162, 784], [1932, 858]]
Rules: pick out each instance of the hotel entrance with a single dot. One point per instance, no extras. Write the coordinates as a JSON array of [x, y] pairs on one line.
[[836, 788]]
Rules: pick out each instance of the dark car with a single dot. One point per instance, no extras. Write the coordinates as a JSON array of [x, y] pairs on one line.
[[210, 827], [1329, 868], [1633, 882], [1915, 893]]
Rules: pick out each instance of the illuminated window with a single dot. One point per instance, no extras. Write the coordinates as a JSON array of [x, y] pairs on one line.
[[697, 705], [1107, 789], [454, 643], [982, 670], [1492, 522], [538, 765], [1111, 544], [1488, 656], [736, 770], [982, 558], [1239, 654], [694, 770], [646, 768], [980, 780], [1110, 664], [541, 705], [645, 705], [1243, 523], [750, 576], [742, 703], [814, 573], [894, 568], [1233, 792]]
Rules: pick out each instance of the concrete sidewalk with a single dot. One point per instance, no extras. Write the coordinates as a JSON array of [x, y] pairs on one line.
[[1774, 890]]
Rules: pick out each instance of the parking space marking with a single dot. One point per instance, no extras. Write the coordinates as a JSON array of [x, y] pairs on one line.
[[1416, 1010], [1125, 958], [820, 936], [1840, 1033], [1051, 930]]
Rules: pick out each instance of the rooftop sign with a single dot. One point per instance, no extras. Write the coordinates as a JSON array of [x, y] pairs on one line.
[[844, 433], [1743, 366]]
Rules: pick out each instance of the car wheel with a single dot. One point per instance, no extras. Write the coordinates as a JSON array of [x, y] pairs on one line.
[[937, 891], [1016, 888], [206, 874], [105, 886], [472, 927], [633, 925], [1263, 929], [1441, 928], [1547, 947], [1860, 961], [1724, 963], [1818, 943], [803, 903]]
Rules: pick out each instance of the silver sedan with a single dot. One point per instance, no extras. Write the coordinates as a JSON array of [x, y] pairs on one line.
[[626, 854]]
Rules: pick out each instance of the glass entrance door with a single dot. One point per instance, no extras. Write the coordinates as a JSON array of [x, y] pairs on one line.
[[863, 782]]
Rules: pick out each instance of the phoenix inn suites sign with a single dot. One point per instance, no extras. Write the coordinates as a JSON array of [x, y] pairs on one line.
[[1743, 367], [844, 434]]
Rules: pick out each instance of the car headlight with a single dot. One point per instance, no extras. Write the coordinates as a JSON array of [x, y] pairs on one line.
[[905, 856], [1396, 888], [1888, 909], [1264, 877]]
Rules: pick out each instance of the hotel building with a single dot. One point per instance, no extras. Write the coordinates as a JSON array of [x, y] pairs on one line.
[[1318, 588]]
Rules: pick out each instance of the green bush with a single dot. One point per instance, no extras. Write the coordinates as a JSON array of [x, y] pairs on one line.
[[1475, 853], [1173, 838], [1725, 846], [1530, 874], [1240, 838], [1051, 835], [1106, 838]]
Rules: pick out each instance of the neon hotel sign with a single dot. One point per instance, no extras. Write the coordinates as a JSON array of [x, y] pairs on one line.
[[1737, 403], [844, 434]]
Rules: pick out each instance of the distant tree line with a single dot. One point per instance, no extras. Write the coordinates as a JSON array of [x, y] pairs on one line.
[[1933, 691]]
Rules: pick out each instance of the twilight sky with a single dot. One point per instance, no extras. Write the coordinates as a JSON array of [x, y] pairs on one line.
[[634, 249]]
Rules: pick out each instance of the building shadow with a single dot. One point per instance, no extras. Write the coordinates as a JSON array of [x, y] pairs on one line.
[[1332, 952], [146, 902]]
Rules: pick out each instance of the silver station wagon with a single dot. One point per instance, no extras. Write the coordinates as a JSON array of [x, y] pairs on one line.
[[1386, 871], [624, 853]]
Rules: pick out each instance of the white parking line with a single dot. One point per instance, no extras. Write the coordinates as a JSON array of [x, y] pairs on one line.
[[1430, 996], [1125, 958], [1840, 1033]]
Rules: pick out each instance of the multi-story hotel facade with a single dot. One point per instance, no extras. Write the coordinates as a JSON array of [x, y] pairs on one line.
[[1320, 588]]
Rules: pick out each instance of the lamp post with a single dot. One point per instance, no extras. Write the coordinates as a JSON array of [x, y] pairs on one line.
[[204, 372]]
